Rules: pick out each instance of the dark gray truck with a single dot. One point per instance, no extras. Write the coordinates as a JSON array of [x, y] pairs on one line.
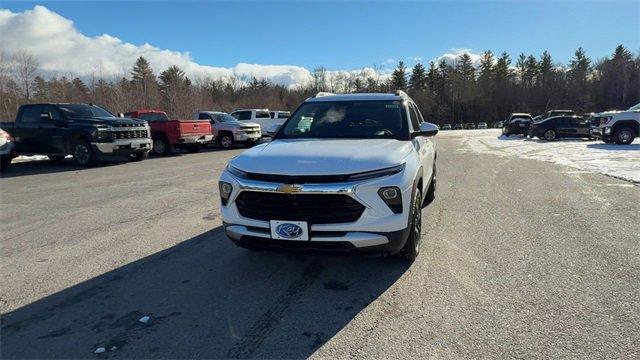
[[87, 132]]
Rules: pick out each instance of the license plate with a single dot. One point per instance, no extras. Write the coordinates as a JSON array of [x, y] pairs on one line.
[[289, 230]]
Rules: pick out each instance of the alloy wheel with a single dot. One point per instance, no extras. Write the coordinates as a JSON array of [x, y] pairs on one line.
[[225, 141], [549, 135], [624, 136], [417, 223], [158, 147], [81, 153]]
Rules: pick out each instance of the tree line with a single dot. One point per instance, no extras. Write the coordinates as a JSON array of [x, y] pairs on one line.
[[446, 92]]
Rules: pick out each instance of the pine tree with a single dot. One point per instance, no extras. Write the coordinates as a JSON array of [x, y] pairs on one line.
[[418, 78], [399, 77], [145, 80]]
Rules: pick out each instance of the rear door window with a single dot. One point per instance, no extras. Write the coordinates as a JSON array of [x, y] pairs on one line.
[[31, 114], [262, 115]]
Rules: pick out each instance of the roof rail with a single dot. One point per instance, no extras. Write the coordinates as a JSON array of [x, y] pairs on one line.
[[402, 94], [322, 93]]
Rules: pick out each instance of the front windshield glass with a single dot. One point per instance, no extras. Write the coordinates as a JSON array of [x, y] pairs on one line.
[[226, 118], [347, 119], [635, 108], [84, 111]]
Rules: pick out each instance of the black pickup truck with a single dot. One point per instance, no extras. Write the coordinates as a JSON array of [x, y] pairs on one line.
[[86, 131]]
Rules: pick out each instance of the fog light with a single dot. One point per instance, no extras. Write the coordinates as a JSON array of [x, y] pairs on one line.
[[225, 192], [392, 197]]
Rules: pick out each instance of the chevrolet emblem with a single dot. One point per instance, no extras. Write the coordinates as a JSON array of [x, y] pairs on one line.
[[289, 188]]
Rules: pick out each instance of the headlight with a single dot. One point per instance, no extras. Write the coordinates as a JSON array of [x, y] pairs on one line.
[[225, 191], [392, 197], [236, 172], [102, 135]]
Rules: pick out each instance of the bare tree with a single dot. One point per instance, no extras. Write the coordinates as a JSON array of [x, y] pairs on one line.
[[26, 70]]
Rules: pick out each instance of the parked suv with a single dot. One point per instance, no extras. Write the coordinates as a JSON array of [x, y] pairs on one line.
[[173, 134], [261, 117], [345, 172], [517, 123], [228, 131], [619, 126], [86, 131]]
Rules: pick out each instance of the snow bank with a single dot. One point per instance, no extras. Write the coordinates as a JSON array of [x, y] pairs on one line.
[[621, 161]]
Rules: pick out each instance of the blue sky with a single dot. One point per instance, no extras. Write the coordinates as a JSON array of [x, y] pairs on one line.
[[341, 35]]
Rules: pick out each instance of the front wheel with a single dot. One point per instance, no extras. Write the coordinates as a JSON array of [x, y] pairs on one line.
[[226, 141], [411, 248], [624, 136], [83, 154], [5, 161]]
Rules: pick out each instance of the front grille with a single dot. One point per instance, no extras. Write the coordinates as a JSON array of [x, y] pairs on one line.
[[312, 208], [129, 134]]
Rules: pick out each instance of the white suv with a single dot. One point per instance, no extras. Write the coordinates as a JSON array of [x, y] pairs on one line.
[[345, 172]]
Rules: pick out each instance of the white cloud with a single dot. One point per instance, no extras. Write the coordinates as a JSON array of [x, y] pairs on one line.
[[453, 57], [60, 48]]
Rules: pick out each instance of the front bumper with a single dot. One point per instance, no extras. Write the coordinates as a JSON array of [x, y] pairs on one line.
[[377, 228], [123, 147], [244, 137], [196, 139]]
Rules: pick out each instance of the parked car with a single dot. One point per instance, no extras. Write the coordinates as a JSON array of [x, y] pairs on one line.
[[554, 113], [228, 131], [258, 116], [280, 115], [621, 127], [470, 126], [169, 134], [7, 149], [482, 125], [517, 123], [446, 127], [458, 127], [561, 127], [86, 131], [346, 172]]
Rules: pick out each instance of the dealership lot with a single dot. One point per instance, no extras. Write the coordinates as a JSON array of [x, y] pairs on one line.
[[521, 258]]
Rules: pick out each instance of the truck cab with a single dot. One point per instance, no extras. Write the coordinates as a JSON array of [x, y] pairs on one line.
[[170, 134]]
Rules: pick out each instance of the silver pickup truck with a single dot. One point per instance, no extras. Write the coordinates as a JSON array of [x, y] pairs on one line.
[[229, 131]]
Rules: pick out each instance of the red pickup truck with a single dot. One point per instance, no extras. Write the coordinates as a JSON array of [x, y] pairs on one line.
[[168, 134]]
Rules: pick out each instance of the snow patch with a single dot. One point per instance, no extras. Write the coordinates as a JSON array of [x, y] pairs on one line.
[[620, 161]]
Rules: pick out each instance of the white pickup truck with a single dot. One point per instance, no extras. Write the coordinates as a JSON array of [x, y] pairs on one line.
[[621, 127], [347, 172], [228, 131]]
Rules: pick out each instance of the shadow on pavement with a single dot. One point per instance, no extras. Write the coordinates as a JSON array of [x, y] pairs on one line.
[[205, 298], [601, 146]]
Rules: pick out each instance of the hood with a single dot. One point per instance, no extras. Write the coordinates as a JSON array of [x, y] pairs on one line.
[[322, 157], [240, 124], [111, 121]]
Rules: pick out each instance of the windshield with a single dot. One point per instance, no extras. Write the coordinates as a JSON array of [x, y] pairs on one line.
[[84, 111], [347, 119], [226, 118], [635, 108]]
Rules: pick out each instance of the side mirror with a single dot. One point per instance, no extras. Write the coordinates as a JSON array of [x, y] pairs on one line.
[[426, 129], [120, 115]]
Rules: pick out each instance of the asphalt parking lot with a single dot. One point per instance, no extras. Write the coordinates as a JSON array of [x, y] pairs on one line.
[[520, 258]]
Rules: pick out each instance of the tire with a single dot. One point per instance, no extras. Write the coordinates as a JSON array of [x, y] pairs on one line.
[[83, 154], [411, 248], [226, 141], [624, 136], [194, 148], [5, 162], [431, 191], [56, 159], [162, 147], [139, 156], [550, 135]]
